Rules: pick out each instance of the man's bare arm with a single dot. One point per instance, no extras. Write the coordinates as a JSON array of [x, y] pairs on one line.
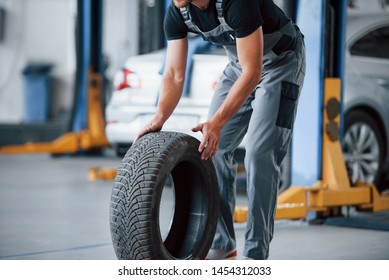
[[171, 86]]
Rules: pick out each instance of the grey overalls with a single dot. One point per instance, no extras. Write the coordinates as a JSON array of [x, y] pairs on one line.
[[267, 118]]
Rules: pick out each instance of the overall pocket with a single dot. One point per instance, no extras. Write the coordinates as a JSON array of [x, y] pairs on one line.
[[288, 103]]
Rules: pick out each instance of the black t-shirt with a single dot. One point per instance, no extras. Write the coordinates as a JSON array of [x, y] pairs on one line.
[[243, 16]]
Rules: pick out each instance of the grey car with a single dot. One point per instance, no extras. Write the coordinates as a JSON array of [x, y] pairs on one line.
[[366, 98]]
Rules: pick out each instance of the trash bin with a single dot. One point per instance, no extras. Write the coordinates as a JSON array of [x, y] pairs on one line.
[[37, 90]]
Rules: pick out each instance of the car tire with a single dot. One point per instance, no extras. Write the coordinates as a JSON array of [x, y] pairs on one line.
[[136, 200], [363, 148]]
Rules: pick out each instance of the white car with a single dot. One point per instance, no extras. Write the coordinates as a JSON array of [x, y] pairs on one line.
[[133, 103]]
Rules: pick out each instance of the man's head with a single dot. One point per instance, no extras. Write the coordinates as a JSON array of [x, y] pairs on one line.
[[181, 3]]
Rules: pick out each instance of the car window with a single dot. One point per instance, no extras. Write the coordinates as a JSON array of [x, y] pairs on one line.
[[373, 44]]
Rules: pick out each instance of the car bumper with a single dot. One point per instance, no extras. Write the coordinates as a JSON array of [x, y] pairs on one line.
[[124, 123]]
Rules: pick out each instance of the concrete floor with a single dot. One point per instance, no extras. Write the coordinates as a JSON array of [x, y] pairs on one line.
[[49, 210]]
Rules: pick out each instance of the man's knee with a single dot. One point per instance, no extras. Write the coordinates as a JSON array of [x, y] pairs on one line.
[[259, 157]]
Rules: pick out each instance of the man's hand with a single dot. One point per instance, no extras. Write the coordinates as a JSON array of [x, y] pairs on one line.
[[211, 136], [171, 85], [154, 125]]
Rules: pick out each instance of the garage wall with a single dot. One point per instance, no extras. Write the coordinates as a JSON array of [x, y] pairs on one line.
[[36, 31], [11, 60], [121, 32], [43, 31]]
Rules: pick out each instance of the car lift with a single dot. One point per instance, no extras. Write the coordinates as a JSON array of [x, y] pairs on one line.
[[88, 124], [334, 190], [328, 195]]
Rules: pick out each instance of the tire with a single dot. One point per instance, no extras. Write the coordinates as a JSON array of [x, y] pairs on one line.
[[363, 148], [136, 200]]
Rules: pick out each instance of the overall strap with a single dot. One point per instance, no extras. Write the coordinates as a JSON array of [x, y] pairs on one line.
[[188, 18], [185, 12], [219, 8]]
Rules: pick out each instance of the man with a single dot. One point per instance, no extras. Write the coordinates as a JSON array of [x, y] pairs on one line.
[[257, 95]]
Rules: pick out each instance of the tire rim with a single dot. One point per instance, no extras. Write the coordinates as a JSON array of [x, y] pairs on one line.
[[361, 152]]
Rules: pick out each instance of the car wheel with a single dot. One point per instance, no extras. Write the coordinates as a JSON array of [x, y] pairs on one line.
[[154, 165], [362, 148]]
